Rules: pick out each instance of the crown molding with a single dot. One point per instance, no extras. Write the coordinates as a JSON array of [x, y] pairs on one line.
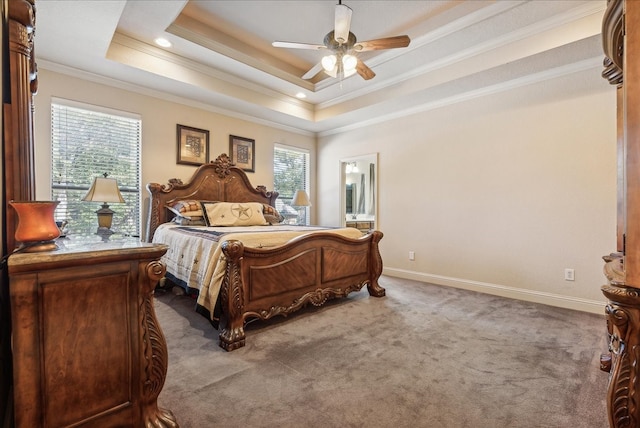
[[553, 73], [119, 84]]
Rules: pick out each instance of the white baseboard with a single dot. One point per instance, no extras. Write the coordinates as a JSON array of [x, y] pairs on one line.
[[585, 305]]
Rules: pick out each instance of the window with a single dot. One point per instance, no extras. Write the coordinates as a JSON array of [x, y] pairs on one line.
[[290, 173], [87, 142]]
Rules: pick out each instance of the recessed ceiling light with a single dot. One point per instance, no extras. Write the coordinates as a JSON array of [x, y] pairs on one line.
[[160, 41], [301, 95]]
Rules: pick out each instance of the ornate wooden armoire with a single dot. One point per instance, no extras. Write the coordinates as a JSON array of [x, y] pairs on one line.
[[19, 83], [621, 44]]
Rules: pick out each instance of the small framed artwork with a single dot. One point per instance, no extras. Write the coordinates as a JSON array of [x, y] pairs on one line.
[[242, 153], [193, 145]]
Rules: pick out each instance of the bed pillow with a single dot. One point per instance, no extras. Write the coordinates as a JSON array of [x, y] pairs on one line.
[[271, 215], [233, 213], [187, 213], [188, 209], [189, 221]]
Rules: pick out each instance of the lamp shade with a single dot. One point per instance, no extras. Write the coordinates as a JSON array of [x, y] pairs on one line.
[[104, 190], [300, 199]]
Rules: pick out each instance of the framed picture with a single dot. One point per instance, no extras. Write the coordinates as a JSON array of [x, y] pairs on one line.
[[193, 145], [242, 152]]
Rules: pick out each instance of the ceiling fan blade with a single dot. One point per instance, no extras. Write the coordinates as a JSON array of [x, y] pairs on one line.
[[294, 45], [313, 72], [342, 23], [364, 71], [386, 43]]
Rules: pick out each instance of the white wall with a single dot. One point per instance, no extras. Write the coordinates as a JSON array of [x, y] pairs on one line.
[[159, 119], [498, 194]]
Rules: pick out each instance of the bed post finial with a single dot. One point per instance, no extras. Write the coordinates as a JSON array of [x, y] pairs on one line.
[[222, 165]]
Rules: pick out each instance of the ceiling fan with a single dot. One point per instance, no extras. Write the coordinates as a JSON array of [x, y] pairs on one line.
[[342, 61]]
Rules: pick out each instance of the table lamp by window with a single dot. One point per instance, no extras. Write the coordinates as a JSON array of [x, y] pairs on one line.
[[104, 190], [300, 200]]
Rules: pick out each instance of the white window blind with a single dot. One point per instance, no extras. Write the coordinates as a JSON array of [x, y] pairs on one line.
[[290, 173], [87, 142]]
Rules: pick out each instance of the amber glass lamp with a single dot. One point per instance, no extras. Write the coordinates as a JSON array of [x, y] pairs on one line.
[[104, 190], [37, 228]]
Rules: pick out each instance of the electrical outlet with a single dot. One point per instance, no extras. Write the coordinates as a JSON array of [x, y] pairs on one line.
[[569, 275], [412, 255]]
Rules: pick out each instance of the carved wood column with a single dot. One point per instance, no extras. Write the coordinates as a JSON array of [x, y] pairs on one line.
[[621, 43], [19, 177], [18, 86]]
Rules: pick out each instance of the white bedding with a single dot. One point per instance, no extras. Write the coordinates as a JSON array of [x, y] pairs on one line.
[[195, 260]]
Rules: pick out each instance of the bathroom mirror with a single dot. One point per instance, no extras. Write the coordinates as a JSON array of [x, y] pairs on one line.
[[358, 184]]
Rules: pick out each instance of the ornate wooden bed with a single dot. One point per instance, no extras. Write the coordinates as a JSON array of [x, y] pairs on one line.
[[264, 282]]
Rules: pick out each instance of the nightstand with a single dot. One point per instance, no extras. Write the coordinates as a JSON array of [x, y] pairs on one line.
[[87, 347]]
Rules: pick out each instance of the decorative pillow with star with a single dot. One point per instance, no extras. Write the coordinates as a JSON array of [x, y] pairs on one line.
[[233, 214]]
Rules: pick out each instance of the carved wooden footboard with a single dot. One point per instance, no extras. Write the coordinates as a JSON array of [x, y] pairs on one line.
[[262, 283]]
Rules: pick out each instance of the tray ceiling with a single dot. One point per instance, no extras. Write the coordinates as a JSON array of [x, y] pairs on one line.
[[221, 56]]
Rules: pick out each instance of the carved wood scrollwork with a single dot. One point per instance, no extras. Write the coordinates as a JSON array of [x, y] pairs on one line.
[[317, 298], [232, 335], [155, 354], [611, 72], [373, 287], [613, 41], [623, 319], [222, 165]]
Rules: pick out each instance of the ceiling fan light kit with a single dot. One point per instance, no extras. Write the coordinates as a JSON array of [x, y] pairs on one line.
[[349, 62], [343, 61], [339, 64], [328, 62]]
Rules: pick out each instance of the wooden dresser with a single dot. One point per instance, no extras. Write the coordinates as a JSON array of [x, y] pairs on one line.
[[87, 347]]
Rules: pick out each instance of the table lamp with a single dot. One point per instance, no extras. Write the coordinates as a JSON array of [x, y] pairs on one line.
[[300, 200], [104, 190]]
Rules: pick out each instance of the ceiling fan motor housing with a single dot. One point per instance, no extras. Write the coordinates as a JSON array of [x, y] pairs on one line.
[[331, 43]]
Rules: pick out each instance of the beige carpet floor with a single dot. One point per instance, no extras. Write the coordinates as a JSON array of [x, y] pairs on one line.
[[423, 356]]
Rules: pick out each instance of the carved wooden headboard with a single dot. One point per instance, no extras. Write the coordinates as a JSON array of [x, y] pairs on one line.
[[219, 180]]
